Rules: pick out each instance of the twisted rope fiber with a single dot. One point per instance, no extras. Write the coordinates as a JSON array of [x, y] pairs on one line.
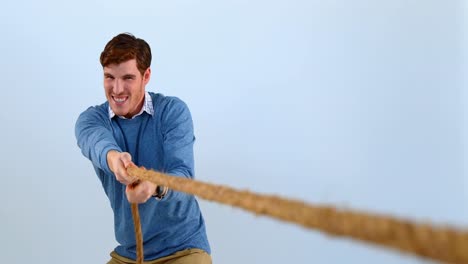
[[435, 242], [138, 234]]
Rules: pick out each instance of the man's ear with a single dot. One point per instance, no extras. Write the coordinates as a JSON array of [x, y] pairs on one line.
[[147, 76]]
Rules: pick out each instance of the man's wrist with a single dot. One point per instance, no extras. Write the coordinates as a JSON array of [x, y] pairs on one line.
[[110, 154]]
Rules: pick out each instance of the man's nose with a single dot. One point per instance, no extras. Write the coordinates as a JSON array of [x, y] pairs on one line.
[[118, 87]]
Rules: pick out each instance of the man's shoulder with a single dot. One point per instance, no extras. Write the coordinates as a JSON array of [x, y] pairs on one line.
[[161, 101], [97, 111], [161, 98]]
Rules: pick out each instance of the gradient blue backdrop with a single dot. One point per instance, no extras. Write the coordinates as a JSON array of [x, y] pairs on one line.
[[359, 104]]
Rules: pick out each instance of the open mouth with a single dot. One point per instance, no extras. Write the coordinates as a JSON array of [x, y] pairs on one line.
[[120, 100]]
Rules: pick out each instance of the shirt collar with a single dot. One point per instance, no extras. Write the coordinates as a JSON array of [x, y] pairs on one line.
[[147, 107]]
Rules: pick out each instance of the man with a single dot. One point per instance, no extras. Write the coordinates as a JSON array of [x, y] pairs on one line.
[[136, 127]]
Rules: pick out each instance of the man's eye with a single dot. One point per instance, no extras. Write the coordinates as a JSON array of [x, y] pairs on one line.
[[109, 77], [129, 78]]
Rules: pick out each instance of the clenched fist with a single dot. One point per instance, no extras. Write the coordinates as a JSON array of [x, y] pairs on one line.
[[136, 191], [140, 192], [118, 163]]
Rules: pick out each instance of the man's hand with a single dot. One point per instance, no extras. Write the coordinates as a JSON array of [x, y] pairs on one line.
[[118, 163], [140, 192], [137, 192]]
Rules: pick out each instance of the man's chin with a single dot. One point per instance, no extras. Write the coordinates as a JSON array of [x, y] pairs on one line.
[[119, 112]]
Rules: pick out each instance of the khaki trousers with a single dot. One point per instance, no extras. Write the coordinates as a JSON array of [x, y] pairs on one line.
[[188, 256]]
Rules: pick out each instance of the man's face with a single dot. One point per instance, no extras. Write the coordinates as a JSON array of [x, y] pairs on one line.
[[125, 87]]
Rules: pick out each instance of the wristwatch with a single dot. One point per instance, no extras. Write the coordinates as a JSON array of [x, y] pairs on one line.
[[160, 192]]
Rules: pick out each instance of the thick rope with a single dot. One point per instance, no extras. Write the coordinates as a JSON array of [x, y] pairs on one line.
[[436, 242], [138, 234]]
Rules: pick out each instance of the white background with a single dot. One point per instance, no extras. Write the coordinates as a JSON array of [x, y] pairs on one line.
[[358, 104]]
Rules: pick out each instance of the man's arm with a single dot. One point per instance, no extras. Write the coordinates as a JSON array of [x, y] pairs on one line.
[[178, 140], [97, 143], [95, 138]]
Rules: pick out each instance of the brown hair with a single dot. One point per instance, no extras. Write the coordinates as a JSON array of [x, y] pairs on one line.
[[124, 47]]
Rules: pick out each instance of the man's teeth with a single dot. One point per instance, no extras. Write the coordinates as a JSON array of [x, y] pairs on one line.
[[119, 100]]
